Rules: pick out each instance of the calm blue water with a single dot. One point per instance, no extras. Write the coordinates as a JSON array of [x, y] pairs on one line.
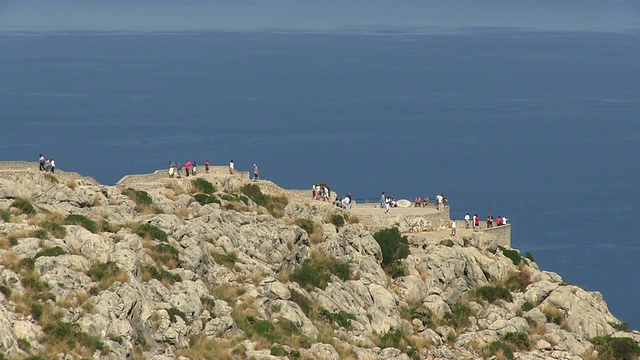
[[541, 127]]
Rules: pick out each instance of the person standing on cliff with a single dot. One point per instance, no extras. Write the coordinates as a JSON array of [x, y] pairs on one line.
[[179, 170], [41, 160], [453, 227], [53, 166], [187, 167], [256, 172], [172, 169], [206, 166], [231, 167], [194, 168], [467, 220], [382, 200]]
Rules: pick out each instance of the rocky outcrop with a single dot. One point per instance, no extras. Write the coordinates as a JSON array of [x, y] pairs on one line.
[[228, 277]]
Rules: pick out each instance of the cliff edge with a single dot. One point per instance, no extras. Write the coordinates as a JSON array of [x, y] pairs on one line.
[[220, 267]]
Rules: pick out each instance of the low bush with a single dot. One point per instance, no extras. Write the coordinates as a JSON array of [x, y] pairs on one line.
[[5, 215], [518, 281], [55, 229], [553, 315], [494, 293], [459, 316], [57, 332], [144, 202], [337, 220], [283, 331], [54, 251], [5, 290], [529, 255], [316, 272], [165, 254], [527, 306], [511, 254], [51, 178], [152, 272], [302, 301], [619, 348], [228, 260], [623, 326], [173, 312], [496, 348], [201, 185], [342, 318], [40, 234], [204, 199], [85, 222], [23, 205], [519, 340], [305, 224], [394, 247], [274, 204], [105, 273], [151, 231]]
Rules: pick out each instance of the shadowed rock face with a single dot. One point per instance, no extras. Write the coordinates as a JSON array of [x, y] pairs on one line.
[[232, 274]]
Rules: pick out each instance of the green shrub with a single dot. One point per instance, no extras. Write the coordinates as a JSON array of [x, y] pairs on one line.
[[51, 178], [623, 326], [101, 271], [55, 229], [618, 348], [396, 340], [553, 315], [316, 272], [497, 346], [518, 281], [5, 215], [143, 201], [519, 340], [511, 254], [527, 306], [161, 274], [24, 344], [493, 293], [529, 255], [5, 290], [152, 231], [302, 301], [447, 243], [40, 234], [341, 318], [173, 312], [208, 303], [165, 254], [23, 205], [204, 199], [54, 251], [85, 222], [60, 331], [459, 315], [394, 247], [201, 185], [228, 260], [274, 204], [305, 224], [337, 220]]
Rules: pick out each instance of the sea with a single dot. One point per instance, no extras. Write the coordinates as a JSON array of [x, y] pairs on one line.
[[542, 127]]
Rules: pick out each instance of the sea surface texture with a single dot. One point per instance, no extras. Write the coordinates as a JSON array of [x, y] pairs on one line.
[[542, 127]]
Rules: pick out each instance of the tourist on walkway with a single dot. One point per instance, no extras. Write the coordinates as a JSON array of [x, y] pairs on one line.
[[193, 168], [453, 227], [256, 172], [477, 222], [187, 167], [489, 221], [206, 166], [41, 160], [172, 169], [467, 220], [504, 220], [53, 166], [179, 170], [383, 199], [231, 167], [387, 206], [417, 202]]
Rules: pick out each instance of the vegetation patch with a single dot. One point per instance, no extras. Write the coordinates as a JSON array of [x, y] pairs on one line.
[[85, 222], [553, 315], [395, 247], [518, 281], [57, 332], [201, 185], [306, 225], [144, 202], [316, 272], [274, 204], [204, 199], [173, 312], [5, 215], [51, 178], [106, 274], [228, 260], [302, 301], [342, 318], [619, 348], [459, 316], [511, 254], [147, 230], [23, 205], [623, 326], [494, 293], [54, 251], [40, 234], [282, 331], [509, 342], [399, 340], [58, 231], [337, 220], [527, 306], [152, 272]]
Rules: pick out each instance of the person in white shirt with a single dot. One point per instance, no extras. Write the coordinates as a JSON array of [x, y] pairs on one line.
[[231, 167], [453, 227], [467, 220]]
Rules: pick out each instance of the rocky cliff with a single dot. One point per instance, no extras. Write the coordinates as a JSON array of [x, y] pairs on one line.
[[218, 268]]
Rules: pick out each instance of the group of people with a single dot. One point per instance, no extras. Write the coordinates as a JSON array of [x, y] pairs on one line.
[[256, 170], [190, 166], [343, 203], [474, 221], [320, 192], [46, 164]]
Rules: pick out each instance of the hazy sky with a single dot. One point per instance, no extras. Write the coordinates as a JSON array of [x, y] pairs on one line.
[[168, 15]]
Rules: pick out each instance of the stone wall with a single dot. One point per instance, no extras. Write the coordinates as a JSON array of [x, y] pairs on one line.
[[502, 234]]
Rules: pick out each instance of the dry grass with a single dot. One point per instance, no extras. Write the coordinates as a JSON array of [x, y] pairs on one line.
[[423, 272], [420, 342], [538, 329], [177, 189], [10, 260], [226, 292], [5, 243], [182, 213], [71, 183], [318, 235], [202, 347]]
